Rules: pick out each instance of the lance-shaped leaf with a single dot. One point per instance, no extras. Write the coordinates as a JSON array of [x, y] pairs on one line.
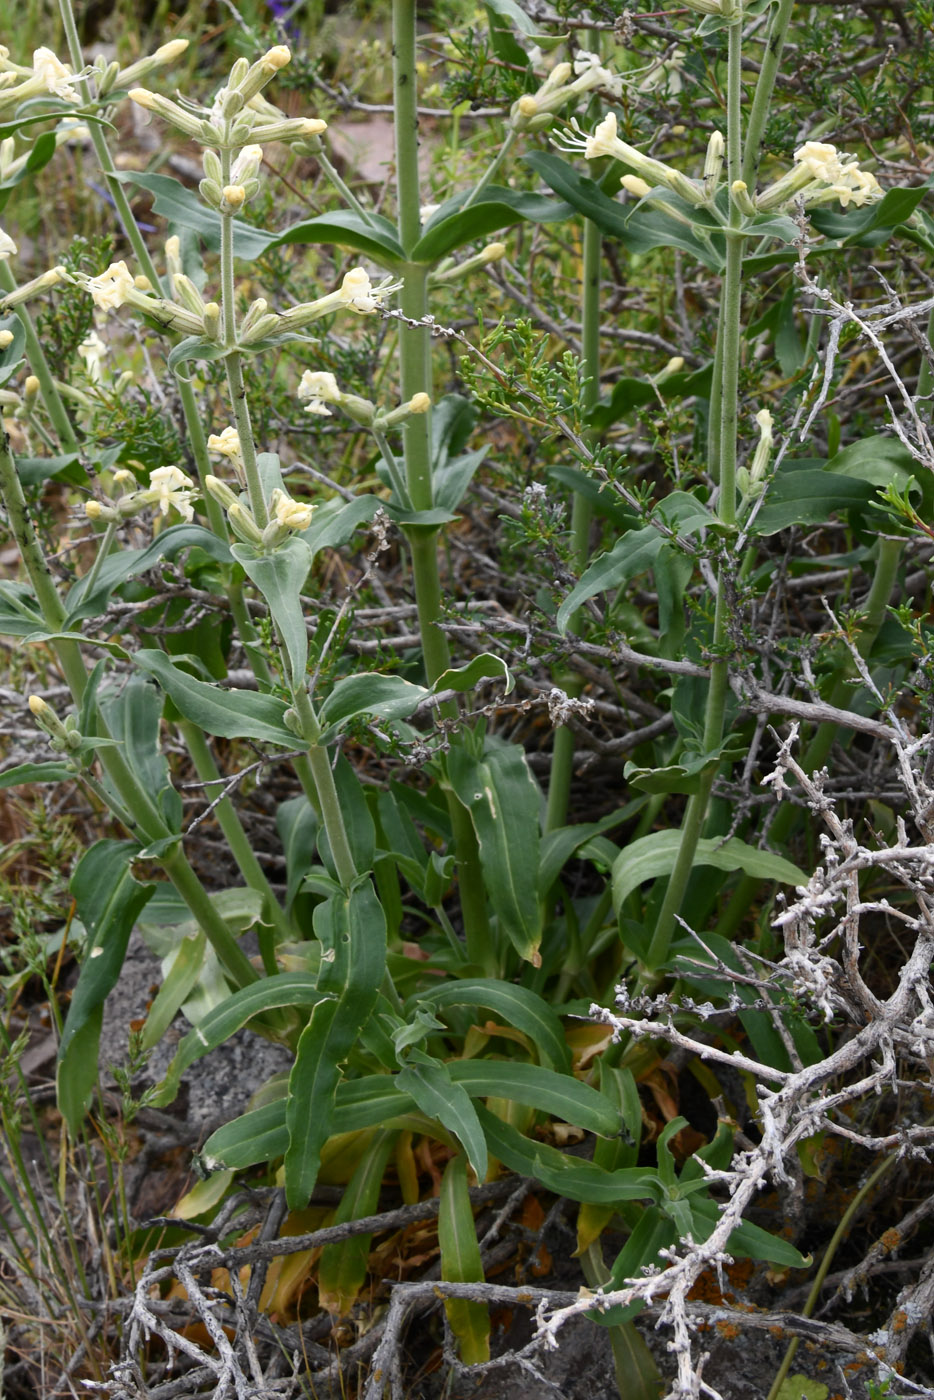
[[461, 1263], [129, 563], [515, 1005], [352, 929], [561, 1095], [503, 801], [37, 773], [281, 989], [19, 611], [280, 577], [335, 522], [485, 666], [109, 901], [638, 229], [436, 1093], [451, 226], [238, 714], [655, 854], [373, 235], [573, 1177], [343, 1266], [372, 693]]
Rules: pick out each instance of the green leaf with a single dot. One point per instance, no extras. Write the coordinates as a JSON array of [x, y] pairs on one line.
[[438, 1095], [373, 235], [655, 854], [461, 1263], [258, 1136], [336, 522], [43, 149], [747, 1241], [108, 901], [342, 1267], [177, 986], [653, 1232], [560, 1095], [241, 1007], [632, 554], [515, 1006], [638, 229], [133, 716], [280, 577], [451, 226], [184, 209], [484, 666], [352, 929], [37, 773], [358, 820], [573, 1177], [19, 611], [503, 801], [195, 347], [240, 714], [371, 693], [297, 827], [874, 223], [129, 563]]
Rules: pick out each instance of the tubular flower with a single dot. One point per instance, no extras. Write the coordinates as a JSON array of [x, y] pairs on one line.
[[605, 142], [171, 487], [7, 246], [289, 514], [821, 174], [358, 293], [110, 290], [55, 75], [92, 351], [319, 388], [225, 444]]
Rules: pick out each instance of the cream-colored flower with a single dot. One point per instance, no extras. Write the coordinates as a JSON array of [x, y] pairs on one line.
[[604, 140], [246, 166], [289, 514], [56, 76], [111, 288], [171, 487], [358, 293], [7, 246], [225, 444], [92, 351], [319, 388], [820, 159]]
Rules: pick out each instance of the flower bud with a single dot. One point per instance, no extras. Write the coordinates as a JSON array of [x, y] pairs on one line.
[[211, 164], [221, 492], [419, 403], [633, 185], [96, 510], [713, 163], [233, 197], [259, 329], [212, 320], [210, 192], [243, 525], [741, 198], [187, 293], [6, 338], [173, 255], [31, 388]]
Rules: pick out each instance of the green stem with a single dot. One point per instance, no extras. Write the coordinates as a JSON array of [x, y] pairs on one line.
[[562, 761], [329, 808], [836, 1240], [491, 169], [344, 189], [415, 374], [765, 86], [696, 811], [148, 823], [103, 549], [237, 839], [40, 367]]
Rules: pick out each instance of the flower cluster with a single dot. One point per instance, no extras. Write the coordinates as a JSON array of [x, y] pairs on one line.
[[605, 141], [239, 117], [49, 77], [821, 174], [535, 112], [169, 489]]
